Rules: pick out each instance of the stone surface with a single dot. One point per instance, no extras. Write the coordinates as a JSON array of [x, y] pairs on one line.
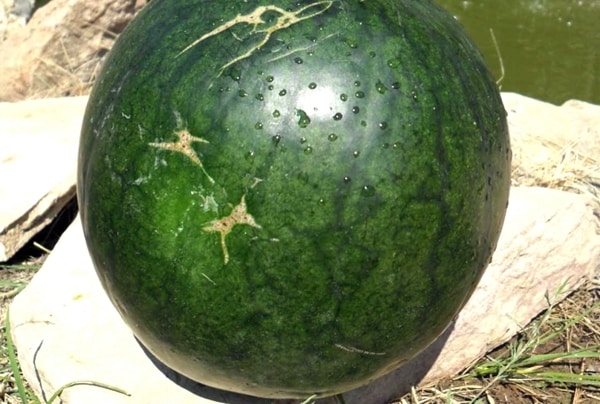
[[38, 158], [554, 146], [65, 328], [60, 49]]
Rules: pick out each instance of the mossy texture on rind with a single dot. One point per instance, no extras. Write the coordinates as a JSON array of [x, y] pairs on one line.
[[291, 198]]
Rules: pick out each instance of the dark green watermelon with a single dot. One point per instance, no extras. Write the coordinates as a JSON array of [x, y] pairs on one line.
[[291, 198]]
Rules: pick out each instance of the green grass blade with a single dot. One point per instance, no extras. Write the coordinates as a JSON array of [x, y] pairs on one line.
[[14, 363]]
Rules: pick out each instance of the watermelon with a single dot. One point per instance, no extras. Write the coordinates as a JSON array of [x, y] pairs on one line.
[[292, 198]]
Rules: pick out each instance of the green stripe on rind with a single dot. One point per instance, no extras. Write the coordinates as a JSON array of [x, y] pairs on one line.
[[368, 242]]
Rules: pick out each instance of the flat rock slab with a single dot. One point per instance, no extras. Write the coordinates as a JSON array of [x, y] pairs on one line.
[[38, 160], [66, 330]]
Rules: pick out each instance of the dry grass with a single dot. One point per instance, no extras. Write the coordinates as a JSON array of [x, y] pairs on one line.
[[554, 359]]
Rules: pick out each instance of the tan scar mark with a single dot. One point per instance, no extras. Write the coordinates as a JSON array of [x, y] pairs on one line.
[[239, 215], [255, 18], [183, 145]]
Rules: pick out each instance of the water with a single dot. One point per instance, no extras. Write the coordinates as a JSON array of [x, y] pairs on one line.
[[550, 48]]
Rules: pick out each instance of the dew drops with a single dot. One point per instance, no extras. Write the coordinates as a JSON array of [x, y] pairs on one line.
[[347, 180], [338, 116], [283, 92], [332, 137], [298, 61], [276, 114], [270, 79], [250, 156], [355, 109], [355, 153], [270, 87], [312, 85], [303, 140], [394, 63], [242, 93], [276, 139], [382, 125], [321, 201], [344, 97], [396, 85], [357, 83], [258, 125], [359, 94], [352, 44], [363, 123], [235, 74], [367, 191], [304, 119], [380, 87], [259, 97], [372, 54], [308, 150]]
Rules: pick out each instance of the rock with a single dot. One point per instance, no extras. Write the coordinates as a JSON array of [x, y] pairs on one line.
[[38, 159], [66, 329], [59, 51], [554, 146]]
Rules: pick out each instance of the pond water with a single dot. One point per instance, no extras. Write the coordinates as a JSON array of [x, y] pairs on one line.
[[550, 49]]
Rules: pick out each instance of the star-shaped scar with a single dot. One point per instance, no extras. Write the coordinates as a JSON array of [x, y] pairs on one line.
[[183, 145], [239, 215]]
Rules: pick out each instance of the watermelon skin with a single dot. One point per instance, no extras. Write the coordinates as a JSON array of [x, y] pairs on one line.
[[291, 198]]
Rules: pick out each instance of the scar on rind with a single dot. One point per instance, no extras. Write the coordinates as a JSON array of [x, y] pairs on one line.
[[357, 350], [255, 18], [239, 215], [183, 145]]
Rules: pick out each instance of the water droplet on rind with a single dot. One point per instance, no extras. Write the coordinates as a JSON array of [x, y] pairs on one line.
[[276, 139], [338, 116], [312, 86], [258, 125], [355, 109], [394, 63], [308, 150], [242, 93], [298, 61], [270, 79], [304, 119], [332, 137], [283, 92], [359, 94], [276, 114], [344, 97], [259, 97], [367, 191], [383, 125], [355, 153], [380, 87], [235, 74]]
